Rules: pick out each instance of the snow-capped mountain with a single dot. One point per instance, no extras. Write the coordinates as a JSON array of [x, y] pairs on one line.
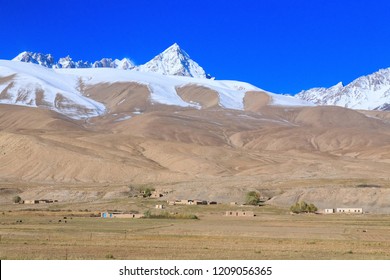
[[48, 61], [125, 63], [371, 92], [174, 61], [67, 62]]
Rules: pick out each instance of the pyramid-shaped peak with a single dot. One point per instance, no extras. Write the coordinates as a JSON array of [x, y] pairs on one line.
[[175, 48], [174, 61]]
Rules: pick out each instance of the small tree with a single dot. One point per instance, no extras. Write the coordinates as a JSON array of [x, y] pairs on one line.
[[252, 198], [17, 199], [147, 192]]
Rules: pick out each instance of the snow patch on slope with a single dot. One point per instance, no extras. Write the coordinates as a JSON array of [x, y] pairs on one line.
[[60, 88], [163, 88], [58, 92]]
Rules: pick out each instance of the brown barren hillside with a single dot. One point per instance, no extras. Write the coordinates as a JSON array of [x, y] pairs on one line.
[[210, 152]]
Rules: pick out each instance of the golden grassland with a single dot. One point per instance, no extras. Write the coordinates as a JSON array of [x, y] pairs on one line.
[[32, 232]]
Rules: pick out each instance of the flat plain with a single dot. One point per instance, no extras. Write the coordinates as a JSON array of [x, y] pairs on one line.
[[62, 232]]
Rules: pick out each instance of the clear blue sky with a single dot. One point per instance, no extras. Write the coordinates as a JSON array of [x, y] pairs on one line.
[[281, 46]]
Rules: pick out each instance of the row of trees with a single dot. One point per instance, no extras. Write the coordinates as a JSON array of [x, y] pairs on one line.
[[254, 198], [303, 207]]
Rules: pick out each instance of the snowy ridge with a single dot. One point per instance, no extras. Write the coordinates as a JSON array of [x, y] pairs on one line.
[[47, 60], [58, 89], [371, 92], [125, 64]]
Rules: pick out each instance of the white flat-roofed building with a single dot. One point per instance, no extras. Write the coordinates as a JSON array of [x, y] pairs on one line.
[[350, 210]]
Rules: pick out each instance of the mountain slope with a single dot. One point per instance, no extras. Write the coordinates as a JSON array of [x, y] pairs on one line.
[[371, 92], [171, 144], [64, 90]]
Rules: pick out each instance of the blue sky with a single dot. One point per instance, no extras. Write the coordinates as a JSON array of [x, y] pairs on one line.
[[280, 46]]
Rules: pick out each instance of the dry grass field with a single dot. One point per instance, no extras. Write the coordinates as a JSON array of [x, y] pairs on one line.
[[272, 234]]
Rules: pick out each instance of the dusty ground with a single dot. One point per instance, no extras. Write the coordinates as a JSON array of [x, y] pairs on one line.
[[272, 234]]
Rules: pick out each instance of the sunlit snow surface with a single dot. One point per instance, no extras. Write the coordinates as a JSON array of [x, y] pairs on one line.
[[162, 87], [31, 78]]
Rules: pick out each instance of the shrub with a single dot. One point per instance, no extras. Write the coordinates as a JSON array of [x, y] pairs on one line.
[[110, 256], [147, 192], [16, 199], [368, 186], [147, 214]]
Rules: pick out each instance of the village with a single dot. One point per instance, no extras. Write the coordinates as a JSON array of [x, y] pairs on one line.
[[158, 195], [157, 218], [230, 213]]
